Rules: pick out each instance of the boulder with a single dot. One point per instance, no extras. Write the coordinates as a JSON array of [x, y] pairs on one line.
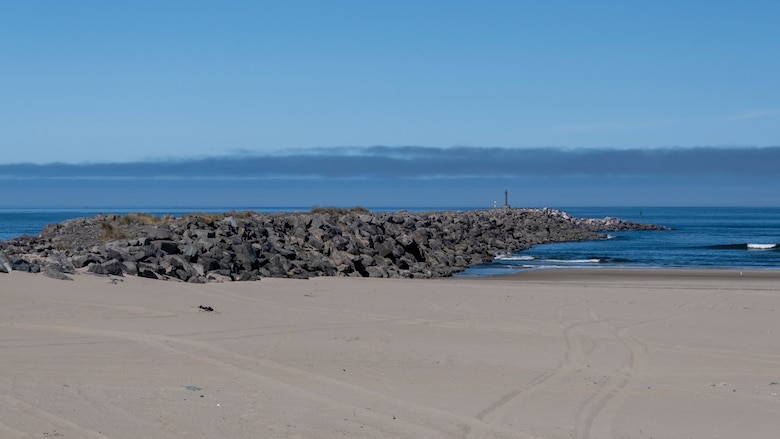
[[54, 271], [112, 267], [168, 247], [19, 264], [157, 233], [5, 263]]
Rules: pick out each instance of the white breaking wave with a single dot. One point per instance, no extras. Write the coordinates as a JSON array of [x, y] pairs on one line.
[[574, 261], [514, 258], [761, 246]]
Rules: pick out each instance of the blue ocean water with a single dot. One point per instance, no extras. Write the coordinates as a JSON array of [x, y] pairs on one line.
[[701, 237]]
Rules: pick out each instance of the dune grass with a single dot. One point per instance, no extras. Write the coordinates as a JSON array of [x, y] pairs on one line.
[[339, 210], [110, 232], [144, 218], [214, 216]]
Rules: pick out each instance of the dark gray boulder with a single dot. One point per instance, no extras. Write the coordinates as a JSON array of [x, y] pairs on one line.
[[54, 271], [19, 264], [113, 267]]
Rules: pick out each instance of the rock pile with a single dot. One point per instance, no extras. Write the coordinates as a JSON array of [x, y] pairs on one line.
[[328, 242]]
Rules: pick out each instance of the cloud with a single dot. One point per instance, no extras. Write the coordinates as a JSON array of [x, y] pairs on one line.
[[425, 163], [751, 114]]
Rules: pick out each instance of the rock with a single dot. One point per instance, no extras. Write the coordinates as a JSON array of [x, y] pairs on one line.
[[21, 265], [82, 260], [54, 271], [113, 267], [230, 221], [5, 263], [277, 266], [130, 267], [156, 233], [217, 277], [151, 271], [141, 252], [168, 247]]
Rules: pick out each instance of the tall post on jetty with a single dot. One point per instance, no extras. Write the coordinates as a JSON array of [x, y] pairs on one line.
[[506, 199]]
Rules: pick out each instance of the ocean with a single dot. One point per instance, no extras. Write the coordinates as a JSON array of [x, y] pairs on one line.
[[701, 237]]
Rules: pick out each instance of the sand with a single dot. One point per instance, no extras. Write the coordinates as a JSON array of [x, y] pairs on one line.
[[545, 354]]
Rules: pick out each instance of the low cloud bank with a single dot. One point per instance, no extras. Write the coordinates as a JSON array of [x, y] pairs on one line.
[[425, 162]]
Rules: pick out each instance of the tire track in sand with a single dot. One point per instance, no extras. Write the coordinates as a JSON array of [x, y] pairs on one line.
[[412, 418], [510, 403], [55, 422], [595, 418]]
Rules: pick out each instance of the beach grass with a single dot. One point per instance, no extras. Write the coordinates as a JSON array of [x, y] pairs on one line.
[[338, 211]]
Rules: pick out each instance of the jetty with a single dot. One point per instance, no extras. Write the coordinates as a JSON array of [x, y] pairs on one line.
[[243, 246]]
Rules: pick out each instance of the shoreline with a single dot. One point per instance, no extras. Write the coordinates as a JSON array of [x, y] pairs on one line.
[[596, 273], [539, 274]]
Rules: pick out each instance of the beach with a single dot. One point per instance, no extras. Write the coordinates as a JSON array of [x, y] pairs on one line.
[[587, 353]]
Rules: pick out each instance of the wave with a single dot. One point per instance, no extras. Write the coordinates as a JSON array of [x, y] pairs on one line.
[[514, 258], [762, 246], [516, 267], [744, 246]]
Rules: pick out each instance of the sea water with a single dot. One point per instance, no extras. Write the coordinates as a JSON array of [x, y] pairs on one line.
[[700, 237]]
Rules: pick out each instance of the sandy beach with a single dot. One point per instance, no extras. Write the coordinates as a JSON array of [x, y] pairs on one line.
[[543, 354]]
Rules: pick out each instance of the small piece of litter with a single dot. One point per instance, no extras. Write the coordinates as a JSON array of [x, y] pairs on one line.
[[193, 388], [774, 383]]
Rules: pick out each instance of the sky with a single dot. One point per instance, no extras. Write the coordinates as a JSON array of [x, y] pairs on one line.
[[403, 103]]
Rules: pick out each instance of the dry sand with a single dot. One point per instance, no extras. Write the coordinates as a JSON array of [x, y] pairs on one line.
[[546, 354]]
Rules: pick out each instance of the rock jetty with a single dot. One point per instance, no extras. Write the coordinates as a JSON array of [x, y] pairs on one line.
[[240, 246]]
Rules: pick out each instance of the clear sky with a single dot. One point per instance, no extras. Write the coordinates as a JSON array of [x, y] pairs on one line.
[[108, 82]]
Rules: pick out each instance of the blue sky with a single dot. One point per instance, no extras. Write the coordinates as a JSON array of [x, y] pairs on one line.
[[152, 83]]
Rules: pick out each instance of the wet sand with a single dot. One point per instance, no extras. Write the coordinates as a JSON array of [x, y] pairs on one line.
[[542, 354]]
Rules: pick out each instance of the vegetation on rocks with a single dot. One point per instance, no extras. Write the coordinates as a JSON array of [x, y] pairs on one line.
[[338, 210]]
